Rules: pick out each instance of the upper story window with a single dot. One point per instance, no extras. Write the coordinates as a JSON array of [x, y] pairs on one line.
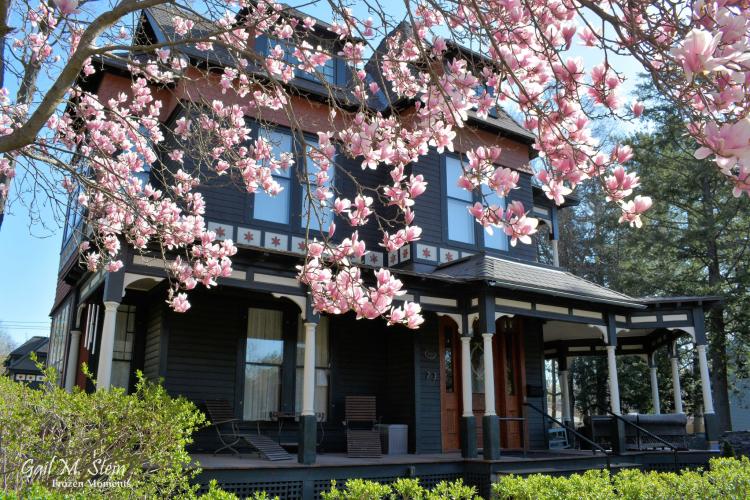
[[462, 227], [460, 221], [497, 240], [327, 72], [314, 214], [276, 208]]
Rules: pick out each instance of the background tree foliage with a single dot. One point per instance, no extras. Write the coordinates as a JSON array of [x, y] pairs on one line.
[[695, 241]]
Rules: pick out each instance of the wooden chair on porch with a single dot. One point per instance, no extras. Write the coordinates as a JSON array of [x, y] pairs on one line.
[[227, 428], [360, 418]]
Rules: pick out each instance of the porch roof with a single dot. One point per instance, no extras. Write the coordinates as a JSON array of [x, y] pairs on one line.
[[517, 275]]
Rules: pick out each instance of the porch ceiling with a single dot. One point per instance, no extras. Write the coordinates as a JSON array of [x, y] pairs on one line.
[[555, 331]]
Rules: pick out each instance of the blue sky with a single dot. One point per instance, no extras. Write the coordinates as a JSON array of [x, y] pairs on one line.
[[29, 253]]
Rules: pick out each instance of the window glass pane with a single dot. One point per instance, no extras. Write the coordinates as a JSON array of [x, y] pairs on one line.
[[453, 171], [460, 222], [262, 384], [276, 208], [273, 208], [318, 214], [448, 361], [264, 342], [498, 240], [477, 365]]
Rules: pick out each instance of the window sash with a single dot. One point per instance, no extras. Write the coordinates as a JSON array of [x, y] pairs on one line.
[[276, 208], [312, 210], [264, 354], [498, 240]]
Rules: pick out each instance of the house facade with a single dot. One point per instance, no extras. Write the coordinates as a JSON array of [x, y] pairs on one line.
[[20, 364], [469, 382]]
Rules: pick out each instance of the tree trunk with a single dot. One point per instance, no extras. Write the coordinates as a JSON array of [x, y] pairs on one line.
[[718, 335]]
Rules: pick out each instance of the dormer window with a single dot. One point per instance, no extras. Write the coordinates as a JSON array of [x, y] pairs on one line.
[[276, 208], [327, 71], [460, 221]]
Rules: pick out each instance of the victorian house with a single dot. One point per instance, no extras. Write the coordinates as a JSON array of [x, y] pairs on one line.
[[468, 385]]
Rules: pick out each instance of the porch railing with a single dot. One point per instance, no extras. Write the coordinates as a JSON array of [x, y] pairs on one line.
[[639, 430], [594, 446]]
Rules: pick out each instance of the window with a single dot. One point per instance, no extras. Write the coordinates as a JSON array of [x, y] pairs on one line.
[[477, 365], [319, 217], [144, 176], [122, 354], [460, 221], [322, 366], [497, 240], [326, 72], [58, 336], [263, 358], [276, 208]]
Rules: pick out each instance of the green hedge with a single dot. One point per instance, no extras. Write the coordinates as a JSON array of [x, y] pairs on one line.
[[725, 478], [103, 444]]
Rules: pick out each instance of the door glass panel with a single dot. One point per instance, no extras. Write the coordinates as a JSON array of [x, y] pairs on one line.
[[477, 366], [448, 360], [510, 379]]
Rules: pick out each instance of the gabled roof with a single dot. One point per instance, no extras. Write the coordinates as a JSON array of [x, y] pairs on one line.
[[516, 275], [19, 358], [387, 97]]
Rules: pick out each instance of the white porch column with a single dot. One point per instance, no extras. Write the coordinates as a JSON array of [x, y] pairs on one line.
[[654, 384], [106, 347], [614, 387], [489, 376], [71, 367], [565, 392], [676, 389], [466, 376], [708, 400], [308, 374]]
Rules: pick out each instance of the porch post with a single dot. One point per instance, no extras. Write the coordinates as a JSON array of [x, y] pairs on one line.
[[71, 367], [709, 415], [618, 426], [308, 421], [468, 422], [490, 422], [674, 358], [562, 364], [654, 383], [106, 348]]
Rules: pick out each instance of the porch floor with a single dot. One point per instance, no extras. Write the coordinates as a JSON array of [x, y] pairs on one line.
[[209, 461]]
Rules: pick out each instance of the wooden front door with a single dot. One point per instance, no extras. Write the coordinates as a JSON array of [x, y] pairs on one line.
[[510, 380], [450, 384]]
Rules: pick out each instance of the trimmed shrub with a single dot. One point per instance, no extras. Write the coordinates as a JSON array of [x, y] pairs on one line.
[[103, 444], [725, 478], [402, 489]]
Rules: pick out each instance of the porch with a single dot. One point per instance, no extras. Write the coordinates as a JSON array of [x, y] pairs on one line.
[[292, 480]]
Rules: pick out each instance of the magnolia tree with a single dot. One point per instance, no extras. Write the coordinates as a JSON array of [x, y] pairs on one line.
[[73, 142]]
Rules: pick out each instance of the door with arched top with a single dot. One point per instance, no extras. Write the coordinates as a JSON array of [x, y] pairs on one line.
[[450, 384], [510, 380]]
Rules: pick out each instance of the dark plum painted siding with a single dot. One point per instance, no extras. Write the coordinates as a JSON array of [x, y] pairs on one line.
[[427, 400], [534, 356], [152, 350], [430, 209]]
